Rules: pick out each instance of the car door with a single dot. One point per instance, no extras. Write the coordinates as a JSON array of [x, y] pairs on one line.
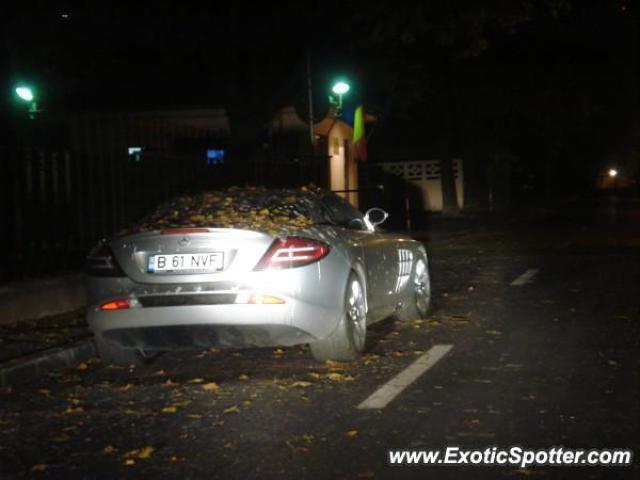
[[379, 251]]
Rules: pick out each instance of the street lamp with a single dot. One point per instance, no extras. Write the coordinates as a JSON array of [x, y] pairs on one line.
[[26, 94], [339, 88], [613, 173]]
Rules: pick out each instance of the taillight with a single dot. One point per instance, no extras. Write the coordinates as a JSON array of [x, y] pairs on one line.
[[293, 252], [101, 263], [120, 304]]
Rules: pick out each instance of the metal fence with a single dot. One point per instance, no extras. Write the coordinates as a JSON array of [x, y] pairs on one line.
[[56, 204]]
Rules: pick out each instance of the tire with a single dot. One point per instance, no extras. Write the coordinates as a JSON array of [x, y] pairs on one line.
[[114, 355], [347, 341], [420, 300]]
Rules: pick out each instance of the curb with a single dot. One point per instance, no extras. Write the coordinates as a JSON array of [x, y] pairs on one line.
[[38, 363]]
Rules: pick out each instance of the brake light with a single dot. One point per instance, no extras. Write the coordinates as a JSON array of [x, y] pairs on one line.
[[119, 304], [293, 252], [183, 231]]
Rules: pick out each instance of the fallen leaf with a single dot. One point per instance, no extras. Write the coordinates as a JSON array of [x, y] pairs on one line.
[[233, 409], [334, 364], [351, 433], [295, 448], [109, 449], [211, 386], [44, 391], [194, 416], [39, 467], [82, 366], [73, 410], [161, 372], [129, 461], [278, 351], [339, 377], [140, 453], [169, 409], [243, 377], [169, 383], [196, 380], [523, 472], [301, 384], [145, 452], [368, 474], [126, 387]]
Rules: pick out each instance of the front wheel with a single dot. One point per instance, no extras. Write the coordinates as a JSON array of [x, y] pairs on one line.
[[420, 298], [347, 341]]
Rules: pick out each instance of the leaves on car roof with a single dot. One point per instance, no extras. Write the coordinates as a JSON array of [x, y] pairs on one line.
[[278, 212]]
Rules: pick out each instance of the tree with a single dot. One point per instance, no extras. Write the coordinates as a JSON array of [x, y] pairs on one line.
[[440, 37]]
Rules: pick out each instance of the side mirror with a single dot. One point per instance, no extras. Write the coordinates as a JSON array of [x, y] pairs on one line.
[[375, 216]]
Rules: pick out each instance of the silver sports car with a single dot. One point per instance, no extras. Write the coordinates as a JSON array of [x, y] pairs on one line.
[[252, 268]]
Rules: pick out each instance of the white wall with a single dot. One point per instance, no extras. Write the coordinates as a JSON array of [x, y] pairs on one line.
[[426, 175]]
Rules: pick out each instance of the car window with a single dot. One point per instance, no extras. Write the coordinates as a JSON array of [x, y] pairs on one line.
[[341, 211]]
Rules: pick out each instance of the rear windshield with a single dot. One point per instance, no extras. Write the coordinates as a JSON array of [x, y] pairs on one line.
[[253, 208]]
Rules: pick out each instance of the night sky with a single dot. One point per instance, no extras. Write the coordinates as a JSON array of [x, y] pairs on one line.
[[539, 77]]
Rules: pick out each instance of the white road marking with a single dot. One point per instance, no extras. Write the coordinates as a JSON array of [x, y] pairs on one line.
[[390, 390], [525, 278]]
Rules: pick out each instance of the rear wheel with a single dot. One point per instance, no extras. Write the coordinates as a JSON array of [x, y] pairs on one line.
[[420, 300], [112, 354], [347, 341]]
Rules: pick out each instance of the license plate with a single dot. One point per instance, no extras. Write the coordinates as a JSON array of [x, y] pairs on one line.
[[186, 263]]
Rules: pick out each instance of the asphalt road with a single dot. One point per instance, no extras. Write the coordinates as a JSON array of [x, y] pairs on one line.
[[543, 317]]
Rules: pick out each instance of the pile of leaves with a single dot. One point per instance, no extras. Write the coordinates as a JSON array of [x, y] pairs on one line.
[[277, 212]]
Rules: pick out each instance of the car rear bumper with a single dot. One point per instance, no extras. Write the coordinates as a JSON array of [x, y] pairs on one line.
[[220, 312], [194, 336], [213, 325]]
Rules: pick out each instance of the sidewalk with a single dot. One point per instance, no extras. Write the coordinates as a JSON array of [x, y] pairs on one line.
[[42, 325], [27, 337]]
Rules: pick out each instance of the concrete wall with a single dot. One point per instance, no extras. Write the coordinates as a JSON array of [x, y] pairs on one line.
[[41, 298], [426, 175]]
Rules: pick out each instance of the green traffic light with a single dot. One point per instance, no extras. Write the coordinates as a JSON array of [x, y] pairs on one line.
[[340, 88], [25, 93]]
